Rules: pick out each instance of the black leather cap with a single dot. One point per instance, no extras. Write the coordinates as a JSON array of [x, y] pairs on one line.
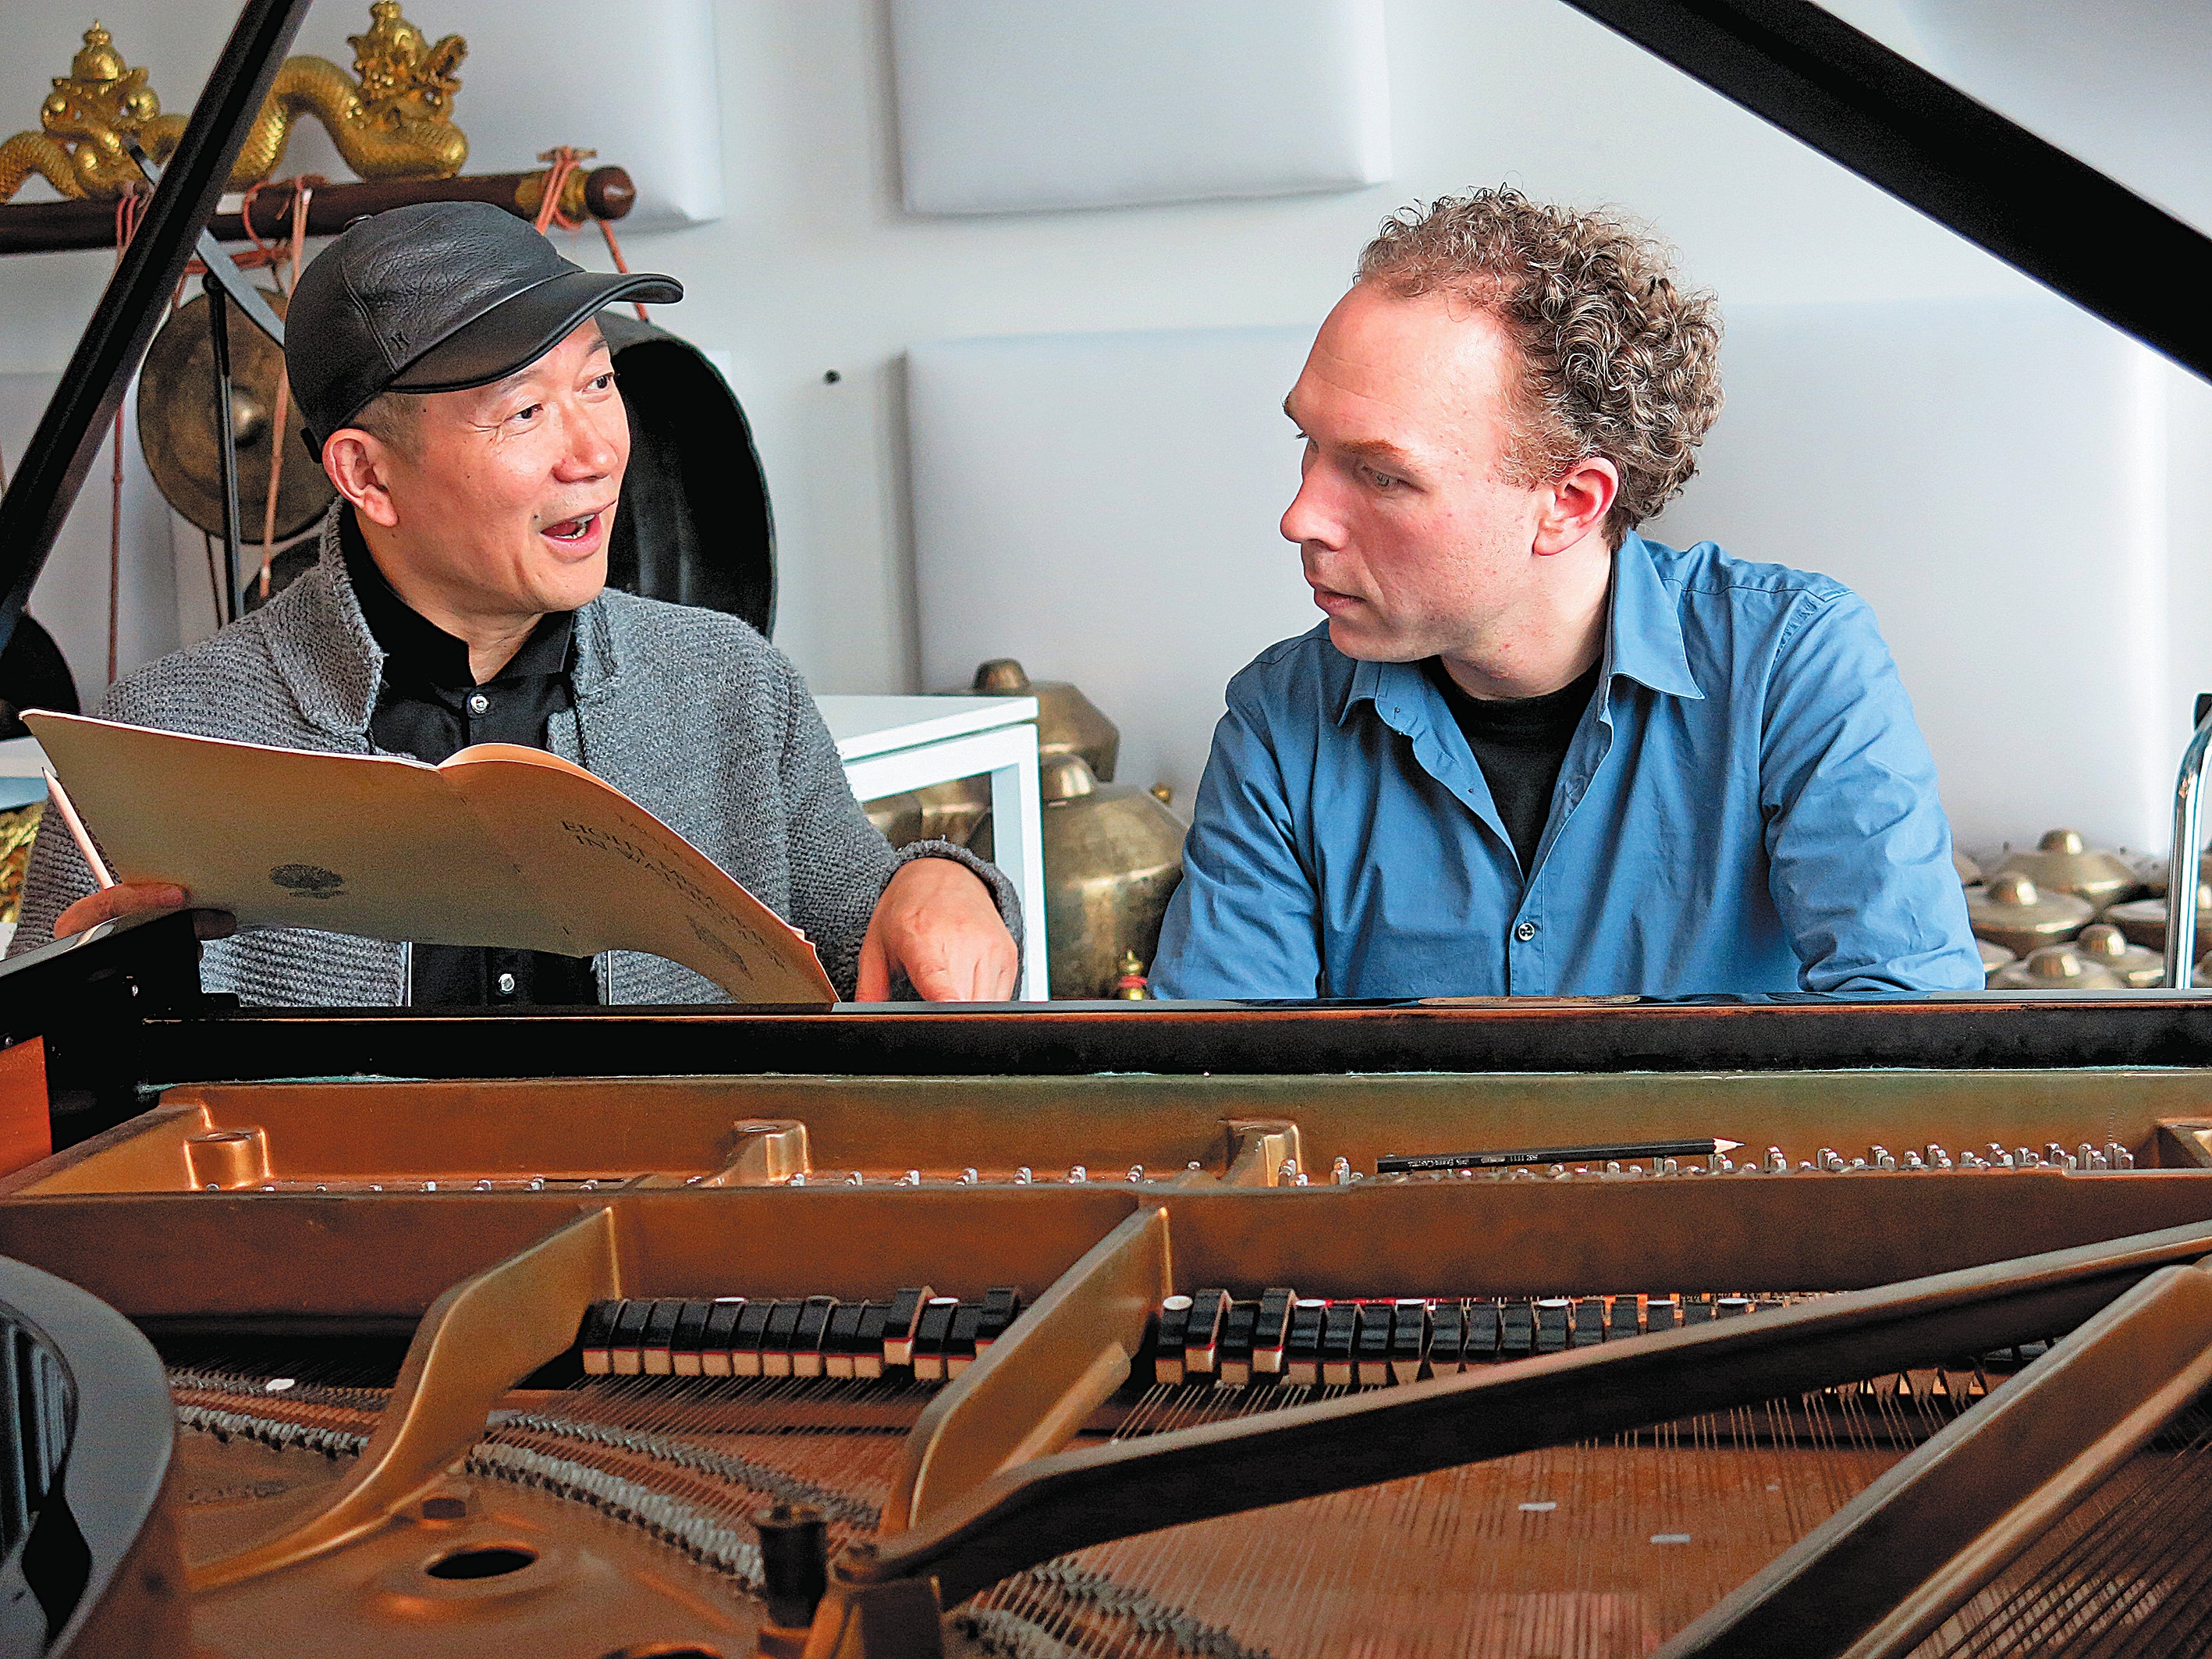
[[436, 297]]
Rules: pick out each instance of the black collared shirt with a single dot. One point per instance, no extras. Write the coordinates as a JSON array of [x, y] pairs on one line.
[[430, 706]]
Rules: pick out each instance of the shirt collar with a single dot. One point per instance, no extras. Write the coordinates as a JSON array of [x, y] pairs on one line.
[[416, 649], [1643, 640]]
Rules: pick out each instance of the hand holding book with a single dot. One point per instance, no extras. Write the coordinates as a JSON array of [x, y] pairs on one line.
[[500, 846]]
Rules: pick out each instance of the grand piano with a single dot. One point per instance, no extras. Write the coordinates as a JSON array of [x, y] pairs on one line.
[[1110, 1328]]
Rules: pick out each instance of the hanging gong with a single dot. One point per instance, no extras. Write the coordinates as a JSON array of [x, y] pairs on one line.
[[177, 426], [694, 527]]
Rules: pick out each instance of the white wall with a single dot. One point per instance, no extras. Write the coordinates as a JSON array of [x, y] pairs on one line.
[[815, 267]]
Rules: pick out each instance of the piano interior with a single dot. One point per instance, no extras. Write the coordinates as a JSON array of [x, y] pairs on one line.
[[1158, 1364]]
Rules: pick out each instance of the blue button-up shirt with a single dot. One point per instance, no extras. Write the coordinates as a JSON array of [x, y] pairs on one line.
[[1747, 806]]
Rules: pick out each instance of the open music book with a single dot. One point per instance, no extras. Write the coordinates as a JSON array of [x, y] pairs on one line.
[[501, 845]]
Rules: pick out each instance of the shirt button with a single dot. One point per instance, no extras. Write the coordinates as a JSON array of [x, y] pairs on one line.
[[478, 702], [1525, 931], [507, 985]]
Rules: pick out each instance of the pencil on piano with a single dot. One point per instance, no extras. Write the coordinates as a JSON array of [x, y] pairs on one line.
[[62, 805], [1704, 1146]]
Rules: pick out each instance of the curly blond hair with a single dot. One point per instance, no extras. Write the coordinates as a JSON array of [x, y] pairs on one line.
[[1618, 360]]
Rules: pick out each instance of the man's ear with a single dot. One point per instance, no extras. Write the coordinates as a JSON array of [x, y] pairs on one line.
[[1580, 499], [359, 464]]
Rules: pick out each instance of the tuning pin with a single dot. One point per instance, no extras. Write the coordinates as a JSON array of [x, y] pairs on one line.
[[1194, 1166], [1916, 1164], [1302, 1180], [911, 1178], [1778, 1161], [1613, 1166], [968, 1177], [798, 1178], [1973, 1161], [855, 1179], [1023, 1177], [1882, 1160], [2099, 1161], [1339, 1173], [1939, 1157], [1859, 1164], [1288, 1175], [1077, 1174], [1665, 1166], [2120, 1156]]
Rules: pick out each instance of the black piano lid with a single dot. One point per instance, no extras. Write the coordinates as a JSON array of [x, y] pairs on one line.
[[1915, 135]]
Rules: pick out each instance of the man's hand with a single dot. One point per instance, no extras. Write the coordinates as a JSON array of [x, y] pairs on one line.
[[135, 898], [936, 921]]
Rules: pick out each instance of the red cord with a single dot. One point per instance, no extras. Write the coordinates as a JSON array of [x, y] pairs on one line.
[[564, 161], [128, 209]]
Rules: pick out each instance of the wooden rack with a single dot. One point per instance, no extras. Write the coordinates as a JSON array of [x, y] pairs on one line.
[[50, 227]]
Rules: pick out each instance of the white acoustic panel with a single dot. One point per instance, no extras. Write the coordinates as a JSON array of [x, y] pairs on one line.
[[1991, 477], [1104, 508], [1012, 106]]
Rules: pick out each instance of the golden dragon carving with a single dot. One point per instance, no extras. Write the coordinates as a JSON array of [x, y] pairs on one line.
[[84, 121], [394, 122]]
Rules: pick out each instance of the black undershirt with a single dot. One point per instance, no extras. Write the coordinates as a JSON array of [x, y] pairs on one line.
[[430, 706], [1519, 743]]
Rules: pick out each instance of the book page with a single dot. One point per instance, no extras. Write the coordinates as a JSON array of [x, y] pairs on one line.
[[619, 879], [363, 844]]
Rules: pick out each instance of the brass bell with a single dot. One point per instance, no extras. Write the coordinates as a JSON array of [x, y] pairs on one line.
[[1068, 723], [937, 811], [2013, 912], [1995, 957], [2057, 967], [2106, 945], [1113, 857], [1970, 873], [2064, 863], [2143, 919]]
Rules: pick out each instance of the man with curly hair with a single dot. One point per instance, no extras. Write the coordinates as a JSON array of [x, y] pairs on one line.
[[1531, 752]]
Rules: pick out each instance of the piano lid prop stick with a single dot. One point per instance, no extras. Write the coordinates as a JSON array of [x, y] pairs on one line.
[[1393, 1164], [94, 862]]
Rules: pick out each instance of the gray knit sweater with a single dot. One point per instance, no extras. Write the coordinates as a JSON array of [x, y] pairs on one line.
[[690, 713]]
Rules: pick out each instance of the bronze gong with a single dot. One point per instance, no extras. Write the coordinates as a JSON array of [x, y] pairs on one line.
[[177, 427]]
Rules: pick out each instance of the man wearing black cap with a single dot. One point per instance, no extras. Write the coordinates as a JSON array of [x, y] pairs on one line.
[[457, 391]]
